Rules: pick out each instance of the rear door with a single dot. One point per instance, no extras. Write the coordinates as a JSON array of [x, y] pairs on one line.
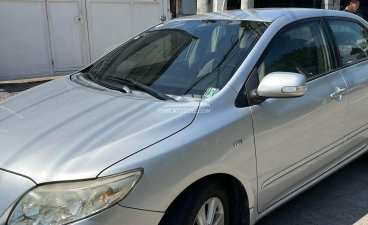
[[351, 38], [297, 137]]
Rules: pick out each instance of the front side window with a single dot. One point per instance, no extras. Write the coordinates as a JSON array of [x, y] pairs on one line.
[[301, 49], [182, 57], [351, 40]]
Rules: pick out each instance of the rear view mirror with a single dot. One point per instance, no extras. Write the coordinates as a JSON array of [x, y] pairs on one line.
[[282, 85]]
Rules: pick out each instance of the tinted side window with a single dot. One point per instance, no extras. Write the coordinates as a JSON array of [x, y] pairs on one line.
[[301, 48], [351, 40]]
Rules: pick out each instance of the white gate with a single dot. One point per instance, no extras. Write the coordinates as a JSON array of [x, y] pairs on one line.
[[115, 21], [44, 37], [24, 39], [69, 41]]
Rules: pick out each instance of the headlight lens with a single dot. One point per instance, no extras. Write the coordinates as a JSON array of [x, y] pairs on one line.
[[62, 203]]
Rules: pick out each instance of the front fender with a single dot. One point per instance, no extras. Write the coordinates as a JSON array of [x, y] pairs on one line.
[[202, 149]]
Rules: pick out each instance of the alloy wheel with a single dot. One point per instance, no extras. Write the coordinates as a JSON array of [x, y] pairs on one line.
[[211, 213]]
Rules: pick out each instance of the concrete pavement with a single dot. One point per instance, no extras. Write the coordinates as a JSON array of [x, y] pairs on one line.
[[341, 199]]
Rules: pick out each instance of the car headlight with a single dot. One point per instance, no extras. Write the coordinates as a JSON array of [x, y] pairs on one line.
[[62, 203]]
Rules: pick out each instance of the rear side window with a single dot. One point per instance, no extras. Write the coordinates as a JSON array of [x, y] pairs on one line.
[[301, 48], [351, 40]]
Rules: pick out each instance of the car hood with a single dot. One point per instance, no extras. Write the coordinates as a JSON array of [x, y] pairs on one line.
[[66, 131]]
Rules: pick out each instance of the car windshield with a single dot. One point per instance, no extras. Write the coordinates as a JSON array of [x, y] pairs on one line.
[[189, 57]]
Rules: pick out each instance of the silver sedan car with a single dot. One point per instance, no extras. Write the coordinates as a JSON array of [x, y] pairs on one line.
[[215, 119]]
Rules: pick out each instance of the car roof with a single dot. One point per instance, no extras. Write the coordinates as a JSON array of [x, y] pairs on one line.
[[268, 14]]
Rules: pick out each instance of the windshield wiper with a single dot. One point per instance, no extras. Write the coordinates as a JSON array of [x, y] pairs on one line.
[[140, 86], [91, 76]]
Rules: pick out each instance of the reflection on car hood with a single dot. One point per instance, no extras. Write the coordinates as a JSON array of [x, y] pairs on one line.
[[64, 131]]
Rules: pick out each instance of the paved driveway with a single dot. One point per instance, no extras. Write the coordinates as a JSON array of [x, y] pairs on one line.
[[341, 199]]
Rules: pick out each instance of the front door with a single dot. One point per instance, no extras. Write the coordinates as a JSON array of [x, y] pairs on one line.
[[296, 137]]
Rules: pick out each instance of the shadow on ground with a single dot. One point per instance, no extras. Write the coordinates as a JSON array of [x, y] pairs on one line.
[[341, 199]]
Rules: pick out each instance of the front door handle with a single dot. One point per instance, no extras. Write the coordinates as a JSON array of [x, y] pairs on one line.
[[338, 93]]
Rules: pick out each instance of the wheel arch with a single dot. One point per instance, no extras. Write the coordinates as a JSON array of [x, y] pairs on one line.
[[238, 192]]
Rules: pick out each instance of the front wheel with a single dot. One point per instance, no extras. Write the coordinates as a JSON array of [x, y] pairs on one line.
[[205, 204], [211, 213]]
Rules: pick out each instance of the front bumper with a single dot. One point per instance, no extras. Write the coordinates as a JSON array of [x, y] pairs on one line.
[[119, 215]]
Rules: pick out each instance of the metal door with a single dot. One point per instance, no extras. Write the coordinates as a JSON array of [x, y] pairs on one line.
[[351, 39], [113, 22], [24, 39], [298, 138], [357, 116], [68, 38]]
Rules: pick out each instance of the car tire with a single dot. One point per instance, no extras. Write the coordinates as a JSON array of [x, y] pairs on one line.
[[200, 203]]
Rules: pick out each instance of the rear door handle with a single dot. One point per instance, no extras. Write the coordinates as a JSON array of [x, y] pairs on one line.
[[338, 93]]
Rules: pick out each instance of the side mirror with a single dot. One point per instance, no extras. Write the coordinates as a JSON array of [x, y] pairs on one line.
[[282, 85]]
